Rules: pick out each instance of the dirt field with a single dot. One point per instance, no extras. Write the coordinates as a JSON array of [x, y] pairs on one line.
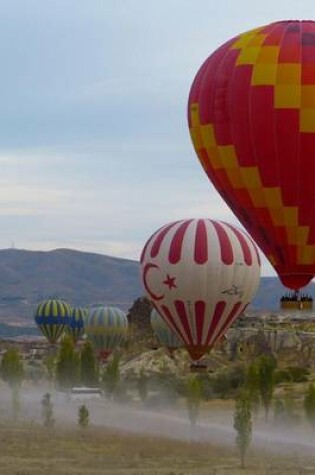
[[30, 450], [131, 440]]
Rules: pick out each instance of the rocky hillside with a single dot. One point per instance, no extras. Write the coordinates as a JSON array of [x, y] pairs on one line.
[[81, 278], [84, 279]]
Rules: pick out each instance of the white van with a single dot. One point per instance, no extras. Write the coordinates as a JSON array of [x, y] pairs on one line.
[[83, 393]]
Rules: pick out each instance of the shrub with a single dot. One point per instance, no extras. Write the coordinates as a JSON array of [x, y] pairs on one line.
[[243, 424], [83, 417], [292, 374], [226, 383], [309, 405], [47, 411], [193, 398]]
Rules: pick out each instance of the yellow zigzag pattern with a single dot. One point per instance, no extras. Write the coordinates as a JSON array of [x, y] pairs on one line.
[[249, 179], [289, 93]]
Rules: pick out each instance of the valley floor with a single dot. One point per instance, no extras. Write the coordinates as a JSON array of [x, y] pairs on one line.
[[132, 440]]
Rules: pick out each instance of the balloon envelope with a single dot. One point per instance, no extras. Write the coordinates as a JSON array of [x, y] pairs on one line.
[[107, 328], [51, 317], [200, 275], [75, 327], [166, 336], [251, 116]]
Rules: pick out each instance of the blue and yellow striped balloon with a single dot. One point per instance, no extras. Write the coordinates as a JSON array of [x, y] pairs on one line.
[[106, 327], [164, 333], [51, 317], [75, 327]]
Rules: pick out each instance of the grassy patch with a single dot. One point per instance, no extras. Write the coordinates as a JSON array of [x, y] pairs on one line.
[[32, 450]]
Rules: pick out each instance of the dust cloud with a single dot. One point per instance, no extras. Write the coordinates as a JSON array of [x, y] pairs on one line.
[[213, 425]]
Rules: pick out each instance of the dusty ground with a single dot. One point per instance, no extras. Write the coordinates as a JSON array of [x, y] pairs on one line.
[[30, 450], [132, 440]]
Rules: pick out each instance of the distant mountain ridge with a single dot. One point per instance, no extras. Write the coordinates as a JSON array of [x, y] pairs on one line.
[[83, 278]]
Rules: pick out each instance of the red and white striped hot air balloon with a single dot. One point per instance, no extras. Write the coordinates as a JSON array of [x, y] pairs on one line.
[[200, 275]]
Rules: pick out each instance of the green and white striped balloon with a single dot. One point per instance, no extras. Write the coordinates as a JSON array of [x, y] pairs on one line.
[[106, 327], [51, 317], [164, 333], [75, 327]]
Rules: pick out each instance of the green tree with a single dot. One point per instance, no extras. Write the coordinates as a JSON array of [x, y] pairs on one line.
[[252, 386], [309, 404], [227, 382], [47, 411], [279, 412], [83, 417], [12, 372], [111, 376], [50, 365], [193, 398], [292, 416], [88, 365], [266, 366], [34, 372], [68, 364], [243, 424], [142, 384]]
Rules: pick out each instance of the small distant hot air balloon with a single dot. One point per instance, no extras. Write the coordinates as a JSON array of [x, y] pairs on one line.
[[200, 275], [75, 327], [166, 336], [106, 327], [51, 317], [251, 116]]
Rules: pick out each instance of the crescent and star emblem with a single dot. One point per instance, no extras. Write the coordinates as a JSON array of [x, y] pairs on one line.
[[169, 281]]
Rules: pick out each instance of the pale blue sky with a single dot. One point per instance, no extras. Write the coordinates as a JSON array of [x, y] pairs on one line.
[[95, 152]]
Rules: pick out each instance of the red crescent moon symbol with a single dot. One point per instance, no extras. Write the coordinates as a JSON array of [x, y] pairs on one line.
[[146, 269]]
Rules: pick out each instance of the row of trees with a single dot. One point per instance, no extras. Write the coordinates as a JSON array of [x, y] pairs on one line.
[[253, 388], [255, 392], [69, 368], [73, 367], [259, 390], [48, 413]]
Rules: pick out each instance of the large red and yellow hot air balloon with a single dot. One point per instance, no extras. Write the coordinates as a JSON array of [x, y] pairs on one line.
[[251, 116], [200, 275]]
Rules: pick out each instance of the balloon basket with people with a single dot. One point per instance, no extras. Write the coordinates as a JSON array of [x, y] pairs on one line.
[[296, 301], [198, 367]]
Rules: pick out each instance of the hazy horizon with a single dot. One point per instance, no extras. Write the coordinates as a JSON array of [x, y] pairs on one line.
[[95, 150]]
